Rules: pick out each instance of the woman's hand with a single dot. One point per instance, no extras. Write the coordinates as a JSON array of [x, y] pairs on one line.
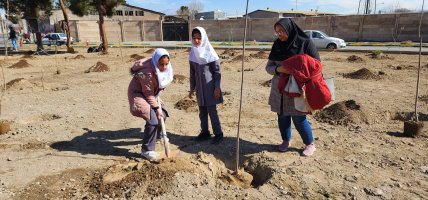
[[282, 69], [159, 114], [217, 93], [191, 93]]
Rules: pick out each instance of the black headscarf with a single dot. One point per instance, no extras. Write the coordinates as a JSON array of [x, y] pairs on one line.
[[297, 43]]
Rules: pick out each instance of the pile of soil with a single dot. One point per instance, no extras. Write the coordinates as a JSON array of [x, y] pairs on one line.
[[28, 56], [380, 56], [363, 73], [260, 55], [138, 180], [179, 79], [5, 126], [150, 51], [229, 52], [20, 64], [343, 113], [424, 98], [99, 67], [355, 59], [79, 57], [18, 84], [267, 83], [187, 104], [135, 57], [408, 116], [239, 58]]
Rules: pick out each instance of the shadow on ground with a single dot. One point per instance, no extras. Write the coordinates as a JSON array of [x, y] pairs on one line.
[[118, 143]]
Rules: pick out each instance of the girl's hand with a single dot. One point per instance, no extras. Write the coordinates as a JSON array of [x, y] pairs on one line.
[[159, 114], [191, 93], [217, 93], [281, 69]]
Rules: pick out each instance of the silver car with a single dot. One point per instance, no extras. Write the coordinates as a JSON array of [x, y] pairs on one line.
[[323, 41], [56, 39]]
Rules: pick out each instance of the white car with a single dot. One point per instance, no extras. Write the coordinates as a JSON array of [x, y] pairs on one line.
[[56, 39], [323, 41]]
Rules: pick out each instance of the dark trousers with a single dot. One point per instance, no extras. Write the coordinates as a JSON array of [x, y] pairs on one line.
[[152, 131], [204, 111]]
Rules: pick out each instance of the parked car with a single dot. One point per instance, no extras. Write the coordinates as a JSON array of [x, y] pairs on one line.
[[56, 39], [323, 41]]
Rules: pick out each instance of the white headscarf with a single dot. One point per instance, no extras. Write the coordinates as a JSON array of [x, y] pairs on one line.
[[204, 53], [165, 77]]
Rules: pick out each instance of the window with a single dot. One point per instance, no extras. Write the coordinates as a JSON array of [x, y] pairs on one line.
[[129, 13], [139, 13], [316, 35], [119, 12]]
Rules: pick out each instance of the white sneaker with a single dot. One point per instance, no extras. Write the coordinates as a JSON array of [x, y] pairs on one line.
[[149, 155]]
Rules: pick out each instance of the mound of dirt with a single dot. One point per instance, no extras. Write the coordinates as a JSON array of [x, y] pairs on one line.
[[267, 83], [18, 84], [135, 57], [28, 56], [355, 59], [229, 52], [79, 57], [343, 113], [187, 104], [424, 98], [363, 73], [150, 51], [99, 67], [239, 58], [380, 56], [407, 116], [5, 126], [260, 55], [179, 79], [20, 64], [139, 180]]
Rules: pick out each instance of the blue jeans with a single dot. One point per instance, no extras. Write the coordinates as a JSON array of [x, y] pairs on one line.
[[301, 124], [14, 44], [204, 111]]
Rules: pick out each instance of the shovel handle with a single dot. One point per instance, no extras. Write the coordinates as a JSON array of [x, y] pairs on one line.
[[164, 136]]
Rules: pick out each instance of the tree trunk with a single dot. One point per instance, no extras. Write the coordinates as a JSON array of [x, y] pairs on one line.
[[67, 27], [101, 25], [39, 41]]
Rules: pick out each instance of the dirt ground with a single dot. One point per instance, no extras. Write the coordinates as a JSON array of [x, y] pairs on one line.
[[73, 137]]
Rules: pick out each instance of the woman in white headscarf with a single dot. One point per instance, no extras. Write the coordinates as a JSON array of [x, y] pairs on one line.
[[205, 78], [150, 77]]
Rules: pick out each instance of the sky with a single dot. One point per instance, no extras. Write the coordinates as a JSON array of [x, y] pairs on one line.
[[237, 7]]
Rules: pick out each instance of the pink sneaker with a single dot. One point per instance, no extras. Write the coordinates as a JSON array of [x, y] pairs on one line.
[[309, 150], [284, 146]]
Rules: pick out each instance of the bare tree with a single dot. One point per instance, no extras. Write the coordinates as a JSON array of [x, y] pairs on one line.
[[195, 6]]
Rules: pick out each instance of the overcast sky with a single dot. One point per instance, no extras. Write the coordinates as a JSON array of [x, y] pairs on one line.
[[237, 7]]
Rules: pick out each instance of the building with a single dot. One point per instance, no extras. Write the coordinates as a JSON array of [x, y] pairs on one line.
[[124, 12], [218, 14], [286, 13]]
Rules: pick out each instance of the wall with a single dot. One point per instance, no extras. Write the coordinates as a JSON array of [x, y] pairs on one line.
[[381, 27], [123, 31]]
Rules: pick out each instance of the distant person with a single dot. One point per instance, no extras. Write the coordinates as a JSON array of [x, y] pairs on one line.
[[150, 77], [291, 41], [205, 79], [13, 37]]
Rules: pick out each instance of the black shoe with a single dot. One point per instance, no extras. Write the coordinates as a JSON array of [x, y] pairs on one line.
[[203, 137], [217, 139]]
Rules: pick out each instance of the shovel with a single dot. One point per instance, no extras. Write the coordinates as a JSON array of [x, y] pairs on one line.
[[164, 137]]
